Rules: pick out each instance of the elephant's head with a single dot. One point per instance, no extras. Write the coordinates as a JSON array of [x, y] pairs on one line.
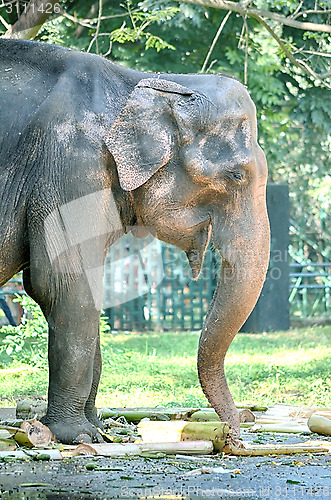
[[194, 168]]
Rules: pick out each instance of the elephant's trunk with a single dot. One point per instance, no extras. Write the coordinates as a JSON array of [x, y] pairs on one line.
[[242, 237]]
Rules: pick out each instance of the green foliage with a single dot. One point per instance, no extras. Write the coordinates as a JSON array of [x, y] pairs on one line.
[[293, 107], [140, 20], [27, 342]]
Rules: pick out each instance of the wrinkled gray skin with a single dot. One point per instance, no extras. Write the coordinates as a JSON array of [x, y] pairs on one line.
[[89, 148]]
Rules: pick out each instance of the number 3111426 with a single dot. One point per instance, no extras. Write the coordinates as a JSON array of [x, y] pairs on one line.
[[47, 7]]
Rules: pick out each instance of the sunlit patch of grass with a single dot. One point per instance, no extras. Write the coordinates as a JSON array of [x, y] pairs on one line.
[[150, 370], [157, 369], [287, 367], [21, 381]]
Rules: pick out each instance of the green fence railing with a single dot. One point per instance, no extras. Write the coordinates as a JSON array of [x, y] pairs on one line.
[[310, 286], [148, 286], [158, 278]]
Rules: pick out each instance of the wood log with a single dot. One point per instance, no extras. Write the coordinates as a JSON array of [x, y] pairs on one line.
[[180, 430]]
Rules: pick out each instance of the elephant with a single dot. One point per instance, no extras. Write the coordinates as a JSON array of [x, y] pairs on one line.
[[91, 149]]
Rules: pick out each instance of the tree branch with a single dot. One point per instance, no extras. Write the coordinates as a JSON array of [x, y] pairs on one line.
[[6, 25], [35, 14], [306, 12], [86, 23], [241, 9], [219, 31], [81, 22], [97, 31], [298, 63]]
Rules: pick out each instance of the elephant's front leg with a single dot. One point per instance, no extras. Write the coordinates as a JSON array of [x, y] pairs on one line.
[[73, 348]]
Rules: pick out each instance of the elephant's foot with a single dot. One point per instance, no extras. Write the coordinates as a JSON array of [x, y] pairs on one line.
[[73, 431]]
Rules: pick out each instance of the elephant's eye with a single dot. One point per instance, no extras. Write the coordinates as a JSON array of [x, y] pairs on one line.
[[235, 175]]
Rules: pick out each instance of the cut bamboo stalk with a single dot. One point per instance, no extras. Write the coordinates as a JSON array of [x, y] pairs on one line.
[[201, 447], [275, 420], [28, 409], [251, 406], [53, 454], [180, 430], [160, 413], [205, 416], [246, 416], [321, 425], [323, 413], [248, 449], [296, 412], [7, 444], [135, 414], [4, 424], [6, 433], [286, 427]]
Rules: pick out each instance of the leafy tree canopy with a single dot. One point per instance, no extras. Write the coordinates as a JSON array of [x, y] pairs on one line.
[[279, 48]]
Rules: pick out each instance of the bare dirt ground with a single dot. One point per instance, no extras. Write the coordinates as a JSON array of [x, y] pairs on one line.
[[172, 477]]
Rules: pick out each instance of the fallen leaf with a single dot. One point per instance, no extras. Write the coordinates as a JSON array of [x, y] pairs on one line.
[[36, 485]]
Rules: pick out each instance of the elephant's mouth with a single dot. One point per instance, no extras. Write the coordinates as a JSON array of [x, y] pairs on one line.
[[196, 253]]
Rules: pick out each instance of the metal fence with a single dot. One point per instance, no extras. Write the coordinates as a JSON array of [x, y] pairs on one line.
[[172, 300], [310, 289], [148, 285]]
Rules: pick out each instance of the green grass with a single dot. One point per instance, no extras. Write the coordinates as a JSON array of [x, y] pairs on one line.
[[152, 369]]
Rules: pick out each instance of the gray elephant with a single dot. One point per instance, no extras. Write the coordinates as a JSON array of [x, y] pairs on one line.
[[88, 149]]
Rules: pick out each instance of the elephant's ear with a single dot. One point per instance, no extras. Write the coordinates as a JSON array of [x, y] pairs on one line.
[[142, 136]]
